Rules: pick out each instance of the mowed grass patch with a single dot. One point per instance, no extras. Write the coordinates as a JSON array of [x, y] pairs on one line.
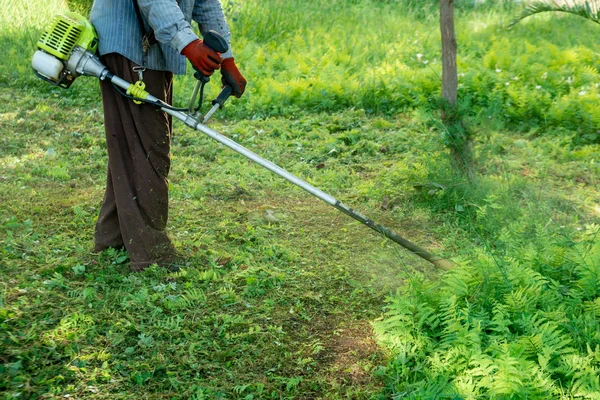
[[252, 314], [282, 287], [276, 304]]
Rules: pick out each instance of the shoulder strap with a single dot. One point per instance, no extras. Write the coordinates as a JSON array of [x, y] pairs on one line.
[[148, 38]]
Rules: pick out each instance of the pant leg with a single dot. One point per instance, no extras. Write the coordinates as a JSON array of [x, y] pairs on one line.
[[138, 140], [108, 232]]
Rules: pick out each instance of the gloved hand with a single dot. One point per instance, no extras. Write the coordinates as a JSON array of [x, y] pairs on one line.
[[231, 76], [202, 57]]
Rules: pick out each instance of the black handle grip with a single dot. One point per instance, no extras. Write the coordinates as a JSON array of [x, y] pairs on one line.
[[215, 41], [223, 96]]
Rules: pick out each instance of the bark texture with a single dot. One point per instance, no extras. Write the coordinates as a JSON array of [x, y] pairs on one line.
[[458, 139], [449, 73]]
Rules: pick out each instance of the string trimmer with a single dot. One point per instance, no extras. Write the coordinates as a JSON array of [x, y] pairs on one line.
[[66, 50]]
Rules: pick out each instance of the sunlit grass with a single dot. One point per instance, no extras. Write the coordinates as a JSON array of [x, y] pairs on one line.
[[24, 14]]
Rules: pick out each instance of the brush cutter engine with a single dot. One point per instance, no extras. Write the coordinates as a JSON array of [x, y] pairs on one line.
[[67, 50]]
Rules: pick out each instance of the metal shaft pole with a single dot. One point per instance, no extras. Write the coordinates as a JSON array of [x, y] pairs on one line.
[[432, 258], [388, 233]]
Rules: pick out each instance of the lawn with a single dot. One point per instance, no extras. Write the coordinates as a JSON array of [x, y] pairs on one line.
[[286, 298]]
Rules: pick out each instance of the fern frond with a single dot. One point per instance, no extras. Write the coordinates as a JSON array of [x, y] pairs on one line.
[[194, 296], [555, 342], [501, 321], [591, 70], [508, 378], [593, 307], [457, 282], [438, 388], [530, 346], [587, 383], [589, 10], [526, 276]]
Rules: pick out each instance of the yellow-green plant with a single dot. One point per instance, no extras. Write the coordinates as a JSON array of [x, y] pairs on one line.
[[521, 326], [589, 10]]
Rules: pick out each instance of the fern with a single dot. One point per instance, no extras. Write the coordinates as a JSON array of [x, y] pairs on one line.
[[555, 341], [458, 282], [588, 272], [592, 71], [587, 384], [501, 322], [507, 378], [517, 328], [589, 10], [593, 307]]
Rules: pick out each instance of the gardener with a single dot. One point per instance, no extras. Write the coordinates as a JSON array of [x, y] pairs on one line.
[[138, 137]]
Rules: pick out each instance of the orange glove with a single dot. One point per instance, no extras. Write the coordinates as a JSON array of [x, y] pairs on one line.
[[231, 76], [202, 57]]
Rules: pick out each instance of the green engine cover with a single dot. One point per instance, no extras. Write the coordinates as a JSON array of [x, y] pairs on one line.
[[67, 31]]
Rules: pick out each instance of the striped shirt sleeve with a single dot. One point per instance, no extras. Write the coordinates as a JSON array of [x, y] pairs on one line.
[[168, 22], [209, 16]]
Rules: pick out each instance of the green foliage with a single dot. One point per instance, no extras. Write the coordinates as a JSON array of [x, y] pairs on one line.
[[517, 311], [82, 7], [535, 76], [281, 288], [528, 77], [518, 326], [589, 10]]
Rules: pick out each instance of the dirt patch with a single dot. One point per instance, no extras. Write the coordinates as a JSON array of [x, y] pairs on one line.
[[350, 353], [355, 353]]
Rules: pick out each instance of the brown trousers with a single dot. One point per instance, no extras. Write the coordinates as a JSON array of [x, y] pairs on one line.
[[134, 211]]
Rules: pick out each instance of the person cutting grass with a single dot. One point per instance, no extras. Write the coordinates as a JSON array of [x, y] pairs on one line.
[[149, 40]]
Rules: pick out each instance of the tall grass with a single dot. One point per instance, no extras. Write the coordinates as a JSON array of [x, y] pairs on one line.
[[21, 23], [16, 15]]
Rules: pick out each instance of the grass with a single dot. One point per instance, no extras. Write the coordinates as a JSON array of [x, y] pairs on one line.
[[270, 309], [283, 290]]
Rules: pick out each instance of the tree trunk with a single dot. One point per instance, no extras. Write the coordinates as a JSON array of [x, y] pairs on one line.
[[459, 141], [449, 74]]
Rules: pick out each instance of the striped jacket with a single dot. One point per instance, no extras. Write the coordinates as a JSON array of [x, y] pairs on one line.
[[119, 31]]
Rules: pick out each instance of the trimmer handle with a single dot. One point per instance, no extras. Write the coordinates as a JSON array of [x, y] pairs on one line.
[[223, 96], [215, 41]]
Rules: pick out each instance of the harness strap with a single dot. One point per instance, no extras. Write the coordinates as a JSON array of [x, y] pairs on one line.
[[148, 38]]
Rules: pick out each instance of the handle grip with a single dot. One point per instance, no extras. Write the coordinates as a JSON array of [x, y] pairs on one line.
[[223, 96], [215, 41]]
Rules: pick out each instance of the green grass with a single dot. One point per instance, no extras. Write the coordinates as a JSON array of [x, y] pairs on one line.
[[285, 308]]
